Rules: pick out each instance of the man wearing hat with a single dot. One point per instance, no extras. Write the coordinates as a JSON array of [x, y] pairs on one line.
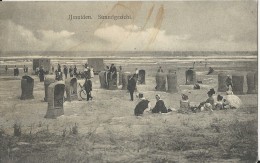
[[88, 88], [131, 86]]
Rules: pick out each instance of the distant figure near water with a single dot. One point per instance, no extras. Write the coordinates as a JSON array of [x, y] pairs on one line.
[[65, 71], [71, 71], [75, 70], [16, 71], [59, 68], [52, 69], [160, 69]]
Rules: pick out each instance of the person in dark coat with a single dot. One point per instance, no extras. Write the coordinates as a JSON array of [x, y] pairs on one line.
[[59, 68], [75, 70], [113, 72], [229, 82], [131, 86], [160, 69], [15, 71], [52, 69], [88, 88], [141, 106], [6, 68], [71, 71], [65, 71], [41, 74], [159, 106]]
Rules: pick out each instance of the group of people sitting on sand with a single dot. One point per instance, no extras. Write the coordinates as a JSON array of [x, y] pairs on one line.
[[218, 102], [144, 104], [213, 102]]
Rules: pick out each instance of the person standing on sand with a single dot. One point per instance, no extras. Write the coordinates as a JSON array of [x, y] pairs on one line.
[[52, 69], [16, 71], [113, 72], [131, 86], [41, 74], [160, 69], [229, 82], [137, 72], [91, 72], [75, 70], [88, 88], [86, 71], [159, 106], [59, 68], [6, 68], [65, 71], [71, 71]]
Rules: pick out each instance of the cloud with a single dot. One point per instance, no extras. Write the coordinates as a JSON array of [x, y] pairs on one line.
[[51, 35], [133, 38], [18, 38], [15, 37]]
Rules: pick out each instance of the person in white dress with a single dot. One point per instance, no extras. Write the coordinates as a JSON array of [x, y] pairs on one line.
[[233, 100], [91, 72]]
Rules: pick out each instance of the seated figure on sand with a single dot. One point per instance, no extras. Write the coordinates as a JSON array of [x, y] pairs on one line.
[[160, 106], [219, 105], [233, 100], [209, 103], [184, 102], [142, 105], [211, 70]]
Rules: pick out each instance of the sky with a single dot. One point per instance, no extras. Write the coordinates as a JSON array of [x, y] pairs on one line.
[[154, 26]]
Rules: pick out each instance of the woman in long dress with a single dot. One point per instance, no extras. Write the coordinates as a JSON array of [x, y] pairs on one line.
[[91, 72], [233, 100]]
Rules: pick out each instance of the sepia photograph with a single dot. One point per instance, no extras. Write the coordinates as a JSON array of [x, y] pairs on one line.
[[129, 81]]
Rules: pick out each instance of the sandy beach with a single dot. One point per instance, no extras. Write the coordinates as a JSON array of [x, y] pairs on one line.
[[108, 131]]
